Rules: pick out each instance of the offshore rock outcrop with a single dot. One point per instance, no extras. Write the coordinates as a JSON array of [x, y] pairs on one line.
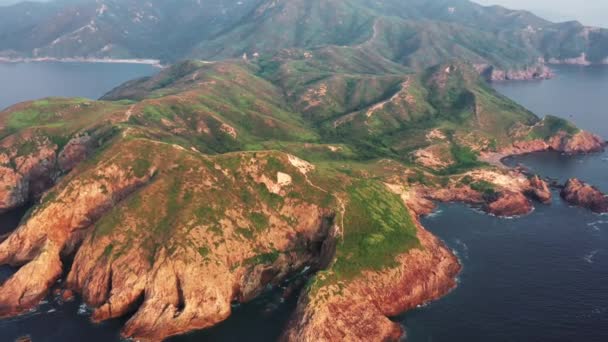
[[509, 204], [539, 190], [585, 195]]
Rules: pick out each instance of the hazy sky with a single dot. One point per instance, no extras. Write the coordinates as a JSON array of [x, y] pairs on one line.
[[589, 12]]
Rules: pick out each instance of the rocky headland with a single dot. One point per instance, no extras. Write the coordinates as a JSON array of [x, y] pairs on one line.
[[360, 310], [534, 72]]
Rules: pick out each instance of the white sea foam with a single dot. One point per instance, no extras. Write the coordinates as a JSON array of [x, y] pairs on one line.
[[84, 310], [590, 256], [595, 225], [435, 214], [153, 62], [463, 246]]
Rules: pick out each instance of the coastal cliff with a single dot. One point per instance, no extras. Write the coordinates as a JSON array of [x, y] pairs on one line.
[[162, 247], [360, 309]]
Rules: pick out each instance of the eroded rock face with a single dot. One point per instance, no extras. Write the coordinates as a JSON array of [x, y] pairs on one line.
[[53, 228], [453, 194], [31, 165], [582, 142], [13, 189], [539, 190], [75, 151], [508, 204], [171, 235], [498, 192], [360, 310], [584, 195]]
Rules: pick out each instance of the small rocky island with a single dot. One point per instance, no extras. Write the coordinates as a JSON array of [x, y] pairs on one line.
[[585, 195]]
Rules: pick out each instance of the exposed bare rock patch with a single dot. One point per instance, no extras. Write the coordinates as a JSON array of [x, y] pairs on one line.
[[539, 190], [53, 227], [168, 234], [359, 310], [584, 195], [509, 204]]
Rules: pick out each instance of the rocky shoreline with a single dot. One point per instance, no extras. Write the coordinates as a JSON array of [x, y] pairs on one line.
[[361, 309], [152, 62], [535, 72], [539, 71], [582, 142]]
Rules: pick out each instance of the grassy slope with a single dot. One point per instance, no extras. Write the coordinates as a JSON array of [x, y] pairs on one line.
[[186, 120], [417, 34]]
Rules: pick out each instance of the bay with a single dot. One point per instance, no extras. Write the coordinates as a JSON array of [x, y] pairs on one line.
[[28, 81]]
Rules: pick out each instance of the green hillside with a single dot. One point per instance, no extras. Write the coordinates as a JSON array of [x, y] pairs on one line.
[[417, 34]]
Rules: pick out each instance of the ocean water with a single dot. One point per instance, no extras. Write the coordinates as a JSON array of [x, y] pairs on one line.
[[27, 81], [543, 277]]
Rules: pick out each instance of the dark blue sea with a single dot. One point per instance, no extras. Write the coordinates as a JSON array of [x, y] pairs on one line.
[[27, 81]]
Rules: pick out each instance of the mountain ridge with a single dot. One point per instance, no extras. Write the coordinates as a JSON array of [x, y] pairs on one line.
[[417, 34]]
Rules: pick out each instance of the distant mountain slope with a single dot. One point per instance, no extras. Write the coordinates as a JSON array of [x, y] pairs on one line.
[[417, 33]]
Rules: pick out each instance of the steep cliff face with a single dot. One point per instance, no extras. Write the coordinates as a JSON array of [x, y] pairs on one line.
[[584, 195], [55, 228], [151, 220], [42, 141], [359, 310], [581, 142], [33, 165]]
